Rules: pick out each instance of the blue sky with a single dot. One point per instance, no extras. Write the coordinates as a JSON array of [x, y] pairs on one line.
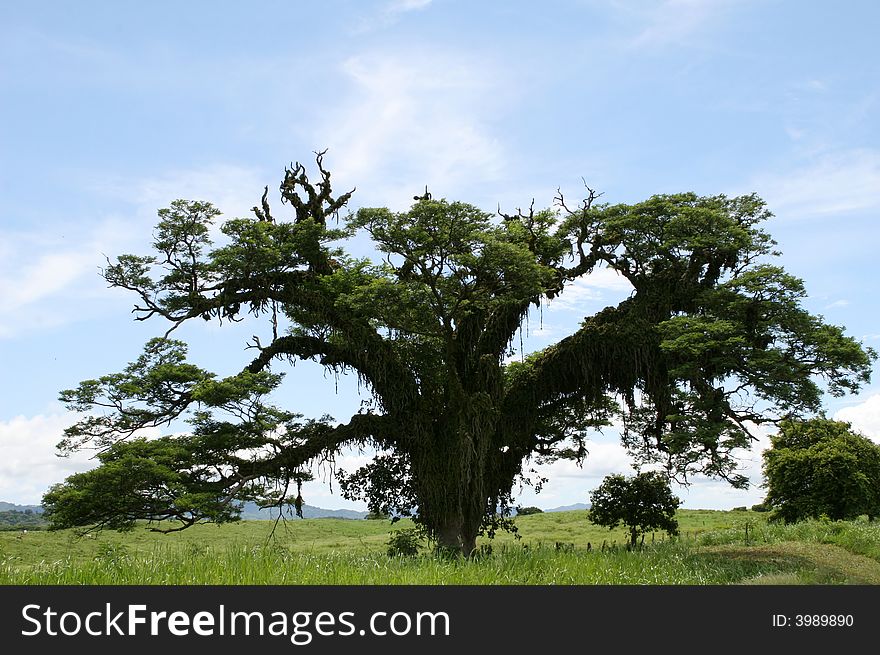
[[111, 110]]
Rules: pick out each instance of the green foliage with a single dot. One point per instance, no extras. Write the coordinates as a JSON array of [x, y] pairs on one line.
[[821, 467], [525, 511], [139, 479], [383, 484], [761, 507], [642, 503], [710, 332], [405, 542]]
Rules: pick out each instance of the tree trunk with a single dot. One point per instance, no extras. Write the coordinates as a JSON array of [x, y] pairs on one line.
[[449, 537], [468, 544], [450, 470], [456, 538]]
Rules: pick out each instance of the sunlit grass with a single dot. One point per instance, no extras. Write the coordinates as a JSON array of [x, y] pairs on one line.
[[668, 563], [559, 548]]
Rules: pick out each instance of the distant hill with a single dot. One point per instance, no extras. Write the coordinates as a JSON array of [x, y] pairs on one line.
[[21, 517], [252, 512], [12, 507], [569, 508]]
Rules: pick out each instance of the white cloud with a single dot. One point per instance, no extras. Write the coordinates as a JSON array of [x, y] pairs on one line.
[[576, 296], [567, 483], [864, 417], [590, 289], [717, 494], [752, 460], [543, 331], [837, 303], [415, 120], [605, 457], [29, 465], [830, 183]]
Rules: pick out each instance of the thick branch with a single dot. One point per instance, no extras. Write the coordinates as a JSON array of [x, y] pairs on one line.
[[376, 362], [321, 439]]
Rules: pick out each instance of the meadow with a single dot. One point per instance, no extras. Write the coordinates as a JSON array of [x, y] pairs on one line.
[[714, 547]]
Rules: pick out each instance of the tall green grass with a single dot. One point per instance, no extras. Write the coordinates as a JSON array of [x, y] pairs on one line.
[[860, 537], [667, 563], [553, 549]]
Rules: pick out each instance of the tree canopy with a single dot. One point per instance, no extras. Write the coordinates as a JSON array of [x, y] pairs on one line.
[[821, 467], [641, 503], [712, 339]]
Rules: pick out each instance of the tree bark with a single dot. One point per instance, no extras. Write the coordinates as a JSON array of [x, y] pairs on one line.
[[455, 538], [449, 537]]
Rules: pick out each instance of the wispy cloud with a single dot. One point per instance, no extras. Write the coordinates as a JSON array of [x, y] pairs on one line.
[[668, 22], [48, 281], [35, 281], [232, 189], [415, 120], [389, 14], [828, 183], [44, 279]]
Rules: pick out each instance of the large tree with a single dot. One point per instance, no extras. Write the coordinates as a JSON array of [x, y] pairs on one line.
[[821, 466], [712, 337]]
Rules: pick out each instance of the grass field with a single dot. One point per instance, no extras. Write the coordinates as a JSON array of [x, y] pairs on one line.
[[714, 547]]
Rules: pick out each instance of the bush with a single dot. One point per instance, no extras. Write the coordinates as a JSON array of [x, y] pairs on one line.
[[740, 509], [404, 543], [761, 507], [525, 511], [821, 467]]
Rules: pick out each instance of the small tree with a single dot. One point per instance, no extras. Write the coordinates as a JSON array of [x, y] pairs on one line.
[[821, 466], [641, 503], [525, 511]]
